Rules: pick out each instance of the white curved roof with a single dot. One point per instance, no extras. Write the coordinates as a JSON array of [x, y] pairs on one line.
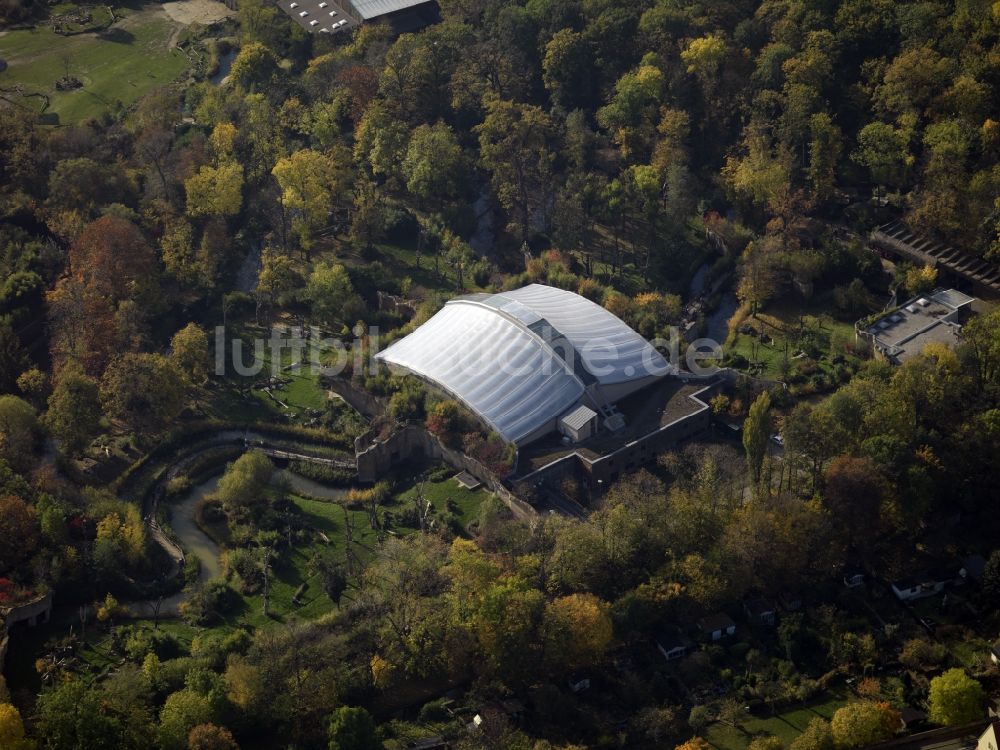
[[520, 359], [614, 352]]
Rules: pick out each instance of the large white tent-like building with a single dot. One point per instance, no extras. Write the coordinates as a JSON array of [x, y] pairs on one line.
[[522, 359]]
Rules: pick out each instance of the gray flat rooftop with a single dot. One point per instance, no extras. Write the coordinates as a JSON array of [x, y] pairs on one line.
[[941, 333], [320, 16], [930, 318], [369, 9]]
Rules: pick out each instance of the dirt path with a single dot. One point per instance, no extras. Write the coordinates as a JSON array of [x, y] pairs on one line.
[[183, 13], [169, 605], [187, 12]]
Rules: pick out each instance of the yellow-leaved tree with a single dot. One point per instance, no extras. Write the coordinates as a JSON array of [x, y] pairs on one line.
[[12, 729]]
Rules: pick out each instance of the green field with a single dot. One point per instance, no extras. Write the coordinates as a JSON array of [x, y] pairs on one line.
[[303, 390], [116, 67], [787, 725], [789, 325], [439, 493], [292, 569]]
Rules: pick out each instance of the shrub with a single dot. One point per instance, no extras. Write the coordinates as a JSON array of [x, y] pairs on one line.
[[208, 603], [141, 641]]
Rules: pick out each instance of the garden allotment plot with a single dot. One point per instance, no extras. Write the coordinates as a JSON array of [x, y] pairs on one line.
[[116, 66]]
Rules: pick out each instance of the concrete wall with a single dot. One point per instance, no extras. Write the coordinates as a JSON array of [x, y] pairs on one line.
[[602, 471], [35, 612], [414, 442], [360, 400]]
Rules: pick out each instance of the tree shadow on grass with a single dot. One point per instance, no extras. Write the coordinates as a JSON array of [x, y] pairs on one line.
[[117, 35]]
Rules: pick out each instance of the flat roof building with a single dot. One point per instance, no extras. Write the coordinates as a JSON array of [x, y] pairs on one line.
[[335, 16], [904, 332], [522, 360]]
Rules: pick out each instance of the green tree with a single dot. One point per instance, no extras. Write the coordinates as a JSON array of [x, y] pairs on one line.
[[310, 181], [369, 218], [381, 141], [814, 436], [568, 69], [18, 429], [71, 715], [33, 384], [189, 351], [13, 359], [863, 723], [632, 113], [955, 699], [434, 167], [245, 480], [816, 736], [577, 631], [254, 67], [352, 728], [12, 735], [991, 577], [182, 712], [516, 148], [756, 433], [144, 391], [330, 292], [825, 147], [215, 191], [443, 420], [19, 532], [277, 276], [883, 150], [766, 742]]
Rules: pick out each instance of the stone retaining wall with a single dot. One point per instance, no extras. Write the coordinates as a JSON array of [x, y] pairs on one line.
[[414, 442], [35, 612]]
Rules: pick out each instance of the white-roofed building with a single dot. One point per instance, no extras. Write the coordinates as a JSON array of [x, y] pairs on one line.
[[401, 15], [523, 359], [936, 317]]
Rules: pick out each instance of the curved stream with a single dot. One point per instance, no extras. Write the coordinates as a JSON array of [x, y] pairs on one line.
[[193, 539], [198, 543]]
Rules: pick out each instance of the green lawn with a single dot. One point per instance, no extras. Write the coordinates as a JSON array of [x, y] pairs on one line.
[[301, 392], [328, 517], [440, 492], [787, 725], [815, 327], [292, 568], [117, 66]]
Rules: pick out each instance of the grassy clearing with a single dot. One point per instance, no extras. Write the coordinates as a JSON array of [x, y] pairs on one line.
[[787, 725], [116, 66], [301, 391], [815, 327], [441, 491], [328, 517]]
